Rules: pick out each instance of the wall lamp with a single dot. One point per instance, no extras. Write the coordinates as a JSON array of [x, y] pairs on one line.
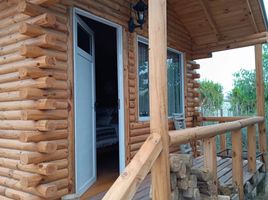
[[140, 9]]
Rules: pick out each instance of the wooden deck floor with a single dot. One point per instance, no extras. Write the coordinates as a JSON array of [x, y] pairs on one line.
[[224, 172]]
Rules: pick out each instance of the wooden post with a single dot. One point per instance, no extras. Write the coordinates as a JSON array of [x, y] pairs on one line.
[[261, 102], [210, 158], [252, 148], [158, 95], [223, 146], [237, 162]]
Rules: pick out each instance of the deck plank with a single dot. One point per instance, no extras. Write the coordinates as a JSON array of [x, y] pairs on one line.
[[224, 173]]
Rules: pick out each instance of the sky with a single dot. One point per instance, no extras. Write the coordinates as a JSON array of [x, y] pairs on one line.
[[221, 67]]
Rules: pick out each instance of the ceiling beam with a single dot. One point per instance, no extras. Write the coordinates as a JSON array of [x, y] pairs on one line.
[[251, 17], [209, 17]]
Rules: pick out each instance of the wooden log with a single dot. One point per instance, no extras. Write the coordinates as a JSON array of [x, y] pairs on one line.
[[41, 125], [44, 20], [237, 165], [158, 95], [192, 193], [42, 104], [261, 102], [197, 133], [183, 183], [251, 144], [16, 194], [174, 194], [44, 2], [202, 174], [42, 62], [30, 29], [40, 168], [177, 160], [33, 93], [29, 9], [34, 72], [42, 147], [34, 158], [208, 188], [45, 41], [32, 51], [48, 190], [173, 181], [210, 157], [36, 136], [41, 115]]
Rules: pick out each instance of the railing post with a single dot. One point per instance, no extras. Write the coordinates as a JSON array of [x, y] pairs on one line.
[[251, 142], [237, 160], [261, 102], [158, 95], [223, 146], [210, 157]]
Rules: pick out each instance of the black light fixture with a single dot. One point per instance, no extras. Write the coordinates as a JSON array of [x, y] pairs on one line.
[[140, 9]]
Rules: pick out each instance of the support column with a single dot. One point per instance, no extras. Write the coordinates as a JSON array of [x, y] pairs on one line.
[[158, 95], [260, 101]]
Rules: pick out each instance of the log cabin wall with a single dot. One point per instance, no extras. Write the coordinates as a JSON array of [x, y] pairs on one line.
[[36, 83], [33, 101]]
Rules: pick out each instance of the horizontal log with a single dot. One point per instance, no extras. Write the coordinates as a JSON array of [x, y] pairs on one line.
[[44, 2], [41, 125], [37, 136], [223, 119], [29, 9], [32, 51], [16, 194], [33, 93], [42, 147], [49, 168], [42, 104], [44, 20], [44, 41], [43, 190], [192, 134], [33, 158], [35, 72], [42, 62], [40, 83], [41, 115]]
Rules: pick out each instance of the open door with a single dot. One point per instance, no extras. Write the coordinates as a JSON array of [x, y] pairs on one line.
[[84, 100]]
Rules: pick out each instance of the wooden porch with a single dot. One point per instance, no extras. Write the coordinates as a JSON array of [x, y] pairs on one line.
[[224, 176]]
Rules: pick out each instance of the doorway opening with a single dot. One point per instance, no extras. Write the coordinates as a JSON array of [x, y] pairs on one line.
[[108, 146]]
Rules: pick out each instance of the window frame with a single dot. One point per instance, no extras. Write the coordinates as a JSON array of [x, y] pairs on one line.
[[144, 40]]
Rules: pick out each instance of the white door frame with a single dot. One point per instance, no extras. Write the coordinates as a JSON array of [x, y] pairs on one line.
[[120, 76]]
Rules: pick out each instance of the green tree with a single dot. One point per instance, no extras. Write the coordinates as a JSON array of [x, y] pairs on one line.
[[211, 96], [243, 95]]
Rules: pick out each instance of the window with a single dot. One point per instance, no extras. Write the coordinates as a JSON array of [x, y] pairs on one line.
[[84, 39], [174, 84]]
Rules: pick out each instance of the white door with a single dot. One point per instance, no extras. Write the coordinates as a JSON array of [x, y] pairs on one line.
[[84, 98]]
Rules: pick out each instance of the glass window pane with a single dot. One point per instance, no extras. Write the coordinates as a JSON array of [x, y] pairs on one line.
[[174, 83], [143, 70], [84, 39]]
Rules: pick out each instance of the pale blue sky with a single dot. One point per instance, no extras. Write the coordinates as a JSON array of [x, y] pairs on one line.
[[222, 65]]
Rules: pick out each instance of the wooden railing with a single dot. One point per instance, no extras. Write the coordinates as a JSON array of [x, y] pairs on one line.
[[128, 182], [208, 135]]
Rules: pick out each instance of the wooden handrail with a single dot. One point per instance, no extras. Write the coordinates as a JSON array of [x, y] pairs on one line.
[[222, 119], [128, 182], [186, 135]]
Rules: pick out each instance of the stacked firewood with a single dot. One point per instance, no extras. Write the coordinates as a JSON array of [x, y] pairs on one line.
[[188, 183]]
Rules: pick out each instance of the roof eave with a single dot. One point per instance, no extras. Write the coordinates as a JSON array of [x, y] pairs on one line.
[[263, 9]]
